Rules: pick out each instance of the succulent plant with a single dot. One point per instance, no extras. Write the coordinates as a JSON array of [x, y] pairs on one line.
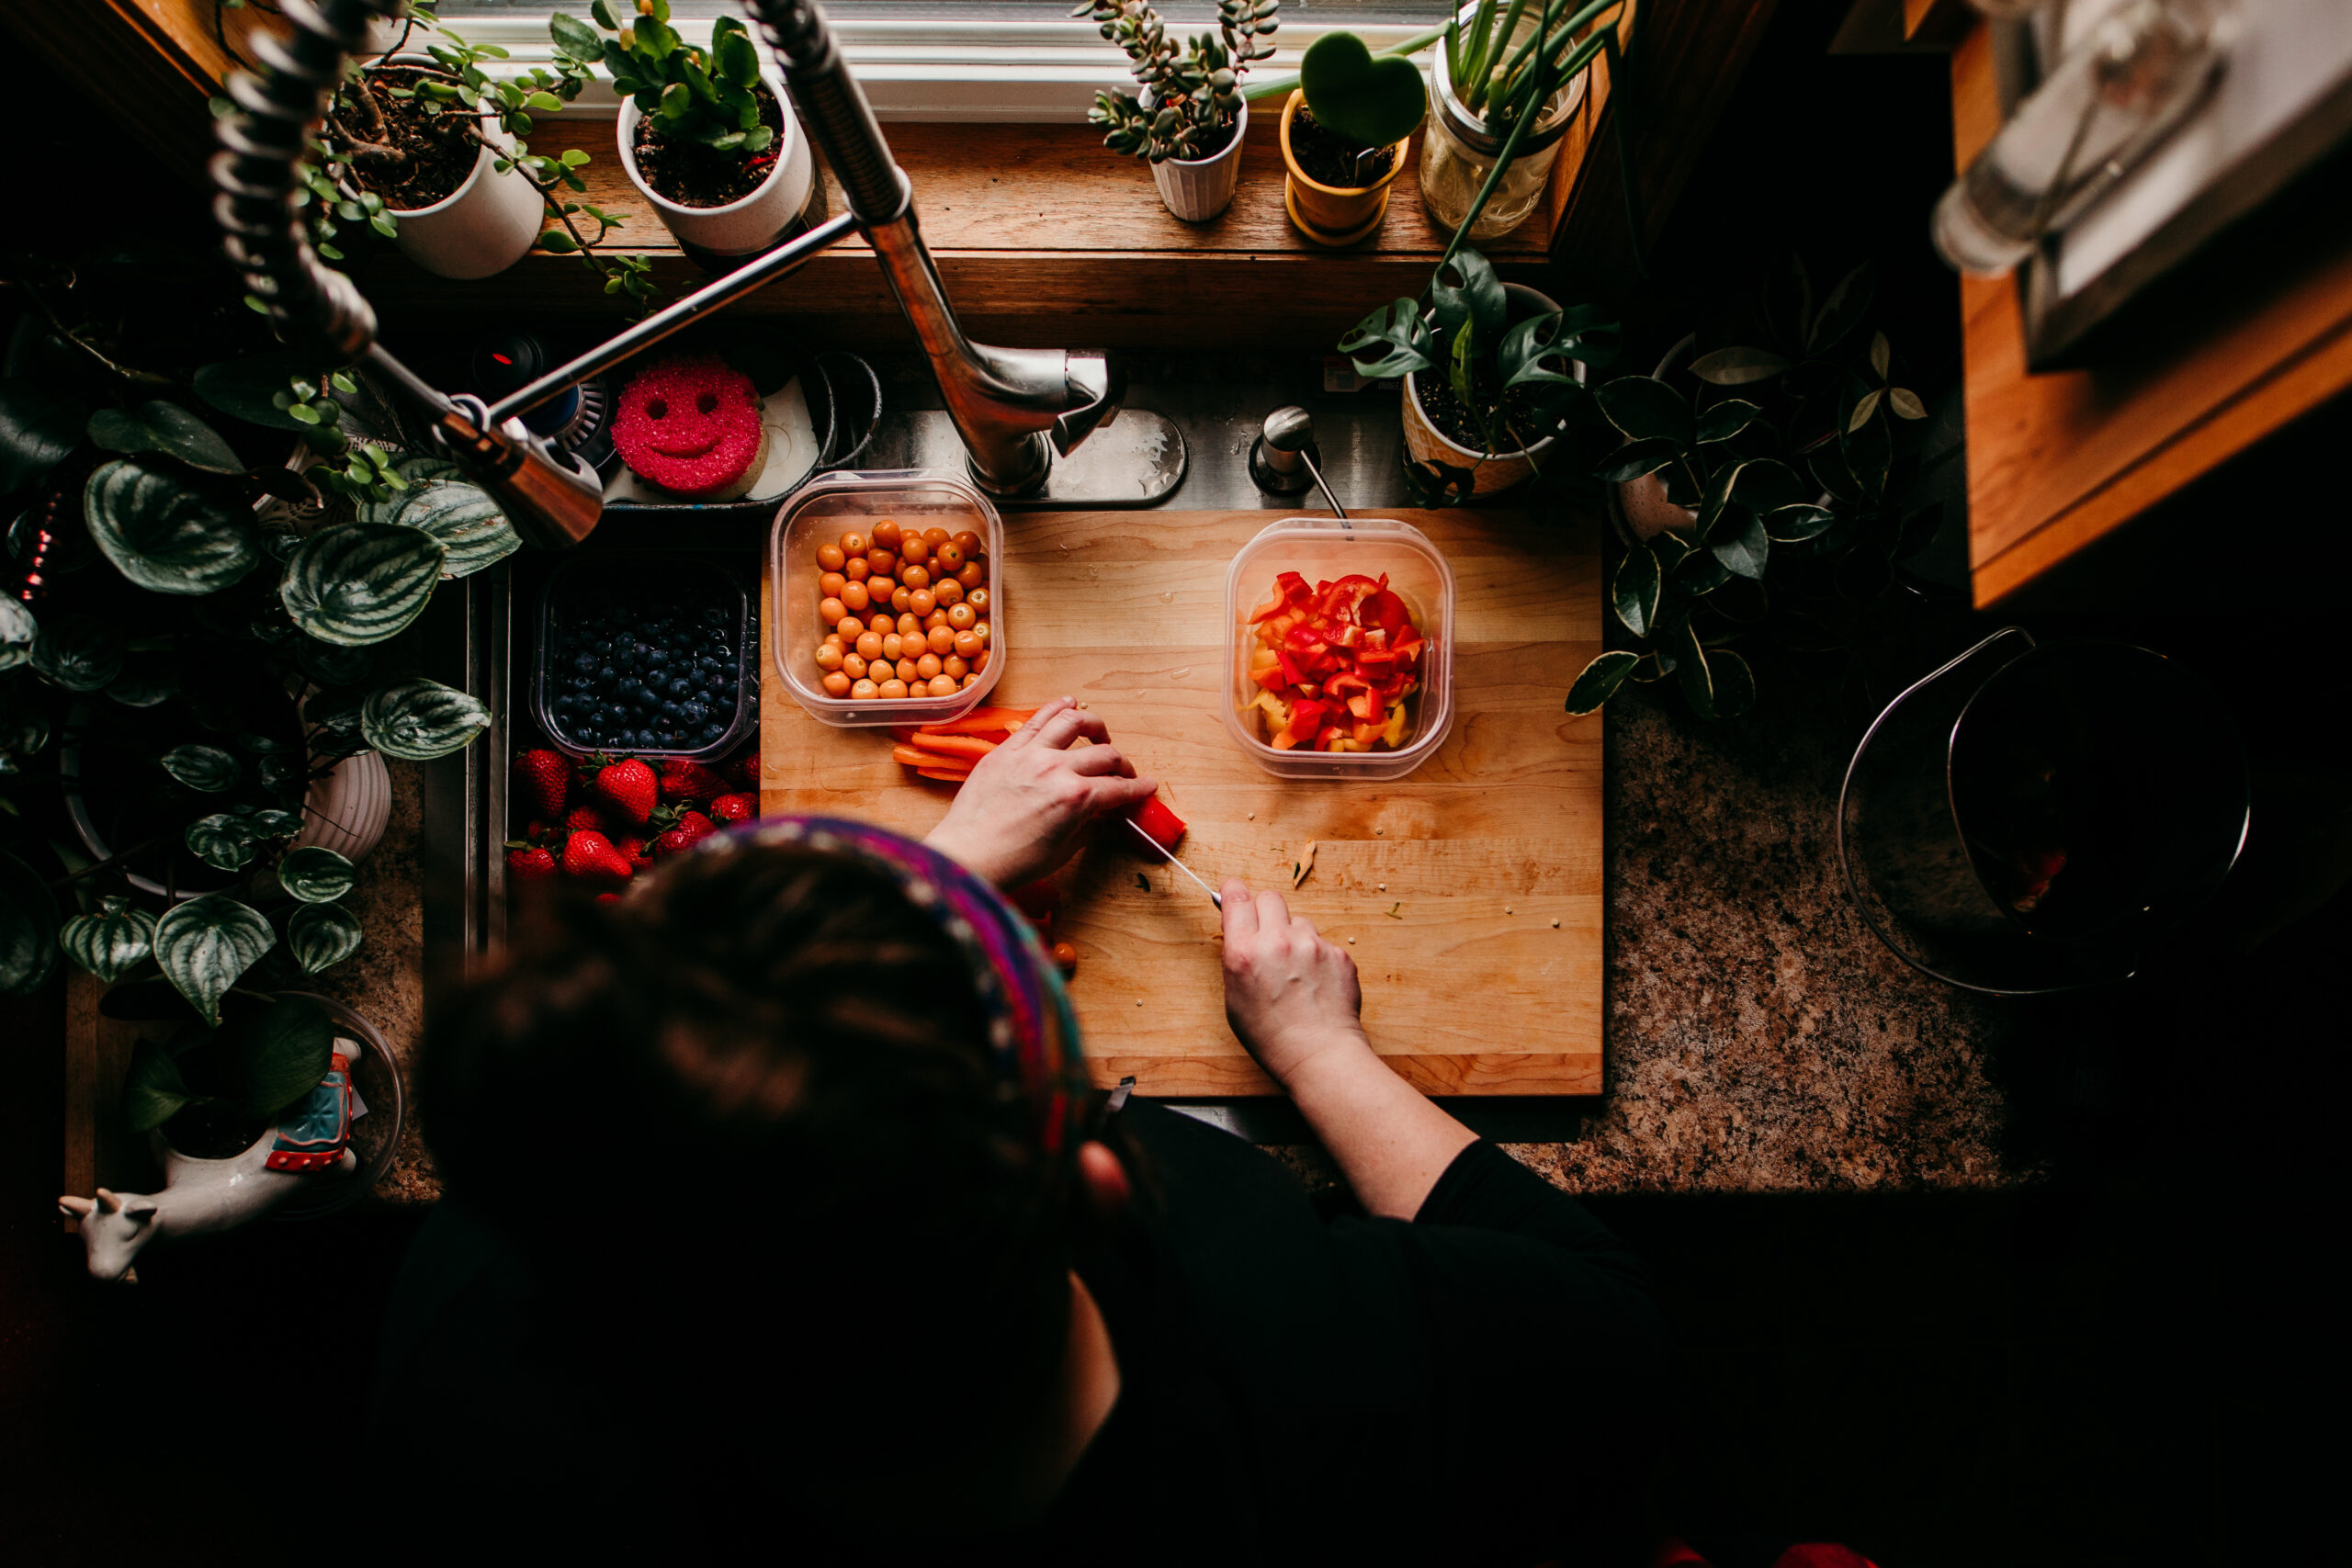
[[1195, 89]]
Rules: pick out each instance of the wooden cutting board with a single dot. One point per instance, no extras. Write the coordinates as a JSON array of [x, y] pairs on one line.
[[1471, 887]]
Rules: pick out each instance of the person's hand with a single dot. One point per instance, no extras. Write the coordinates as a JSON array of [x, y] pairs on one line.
[[1290, 995], [1030, 801]]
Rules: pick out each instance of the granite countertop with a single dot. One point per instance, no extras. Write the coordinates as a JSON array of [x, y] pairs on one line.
[[1759, 1037]]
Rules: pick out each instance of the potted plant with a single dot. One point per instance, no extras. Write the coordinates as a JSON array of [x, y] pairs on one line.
[[705, 133], [1753, 494], [1493, 372], [1505, 84], [1192, 117], [1345, 135], [210, 669]]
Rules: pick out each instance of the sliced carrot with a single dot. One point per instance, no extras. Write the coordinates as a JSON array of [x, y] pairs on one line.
[[916, 757], [949, 775], [970, 746], [983, 721], [902, 732]]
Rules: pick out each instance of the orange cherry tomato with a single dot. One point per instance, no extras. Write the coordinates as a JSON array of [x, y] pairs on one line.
[[979, 599], [830, 558], [956, 666], [949, 591], [828, 656], [855, 596], [922, 601], [849, 629], [961, 617], [972, 678], [969, 543], [936, 536], [973, 574], [942, 686], [935, 620], [830, 585], [881, 588], [902, 601], [916, 577], [909, 624], [858, 571], [907, 671], [1066, 957], [854, 664], [869, 645], [981, 628], [892, 645], [880, 623], [884, 563], [949, 558], [865, 691], [885, 534], [981, 662], [941, 640], [836, 683], [915, 548], [832, 611], [853, 544], [891, 690], [967, 645], [927, 666]]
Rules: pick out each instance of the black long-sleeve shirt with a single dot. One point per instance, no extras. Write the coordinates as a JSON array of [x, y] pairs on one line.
[[1463, 1389]]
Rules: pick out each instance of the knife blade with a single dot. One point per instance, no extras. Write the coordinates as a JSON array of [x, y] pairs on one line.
[[1170, 856]]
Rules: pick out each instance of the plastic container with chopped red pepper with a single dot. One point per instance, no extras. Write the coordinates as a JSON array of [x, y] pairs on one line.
[[1358, 684]]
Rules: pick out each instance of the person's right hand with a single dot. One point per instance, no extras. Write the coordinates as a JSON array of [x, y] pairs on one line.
[[1289, 994]]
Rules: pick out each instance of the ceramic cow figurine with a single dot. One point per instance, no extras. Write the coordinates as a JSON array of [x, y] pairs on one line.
[[310, 1142]]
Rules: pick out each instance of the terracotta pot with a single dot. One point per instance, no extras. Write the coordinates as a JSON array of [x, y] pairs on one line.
[[749, 224], [1493, 472], [1197, 189], [484, 226], [1334, 215]]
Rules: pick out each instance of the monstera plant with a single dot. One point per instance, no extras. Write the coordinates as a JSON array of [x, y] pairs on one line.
[[202, 630]]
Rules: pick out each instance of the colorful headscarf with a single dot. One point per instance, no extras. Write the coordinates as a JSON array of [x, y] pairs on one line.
[[1033, 1033]]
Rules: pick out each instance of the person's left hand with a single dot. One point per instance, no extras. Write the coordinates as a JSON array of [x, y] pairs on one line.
[[1029, 802]]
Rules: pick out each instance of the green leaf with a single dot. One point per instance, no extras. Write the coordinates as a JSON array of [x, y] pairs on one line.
[[1737, 367], [736, 58], [111, 942], [1698, 575], [18, 631], [418, 720], [472, 530], [1734, 682], [165, 535], [39, 428], [1717, 496], [1864, 406], [153, 1091], [205, 768], [205, 943], [322, 935], [222, 841], [1844, 310], [1600, 681], [1906, 403], [1467, 290], [81, 653], [1635, 459], [1691, 669], [558, 242], [1375, 101], [602, 11], [167, 428], [316, 876], [1532, 351], [1647, 409], [1399, 328], [246, 388], [1740, 543], [271, 823], [1881, 354], [677, 101], [27, 929], [1790, 524], [1634, 589], [1720, 422], [361, 582], [277, 1055]]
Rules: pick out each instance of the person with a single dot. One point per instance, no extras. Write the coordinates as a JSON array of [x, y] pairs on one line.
[[780, 1207]]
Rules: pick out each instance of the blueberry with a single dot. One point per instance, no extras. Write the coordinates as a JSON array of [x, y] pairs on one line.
[[682, 687], [658, 656], [607, 674], [722, 651]]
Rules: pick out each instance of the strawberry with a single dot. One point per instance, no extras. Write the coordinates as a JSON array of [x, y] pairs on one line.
[[690, 782], [529, 863], [635, 851], [544, 780], [746, 771], [735, 808], [591, 855], [692, 824], [584, 819], [608, 897], [631, 787]]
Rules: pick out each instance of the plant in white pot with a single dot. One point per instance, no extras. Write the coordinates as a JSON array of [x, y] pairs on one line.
[[706, 133], [1493, 373], [1191, 118]]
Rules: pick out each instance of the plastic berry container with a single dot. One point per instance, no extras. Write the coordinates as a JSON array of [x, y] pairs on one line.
[[1324, 549], [820, 513], [588, 587]]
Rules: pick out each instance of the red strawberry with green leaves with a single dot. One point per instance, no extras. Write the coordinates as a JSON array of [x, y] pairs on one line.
[[691, 781], [591, 855], [735, 808], [529, 863], [630, 788], [543, 778], [692, 826]]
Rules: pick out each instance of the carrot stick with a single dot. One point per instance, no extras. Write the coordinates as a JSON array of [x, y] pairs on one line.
[[915, 757], [970, 746], [902, 732], [983, 721], [949, 775]]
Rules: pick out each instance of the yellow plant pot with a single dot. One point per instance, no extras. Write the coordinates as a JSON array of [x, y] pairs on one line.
[[1334, 215]]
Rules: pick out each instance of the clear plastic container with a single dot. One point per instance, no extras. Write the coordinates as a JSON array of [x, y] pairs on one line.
[[823, 510], [585, 580], [1322, 550]]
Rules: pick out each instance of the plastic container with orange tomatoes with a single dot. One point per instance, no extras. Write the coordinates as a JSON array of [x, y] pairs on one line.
[[820, 513], [1325, 549]]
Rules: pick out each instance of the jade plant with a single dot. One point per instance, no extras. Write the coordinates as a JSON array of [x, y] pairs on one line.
[[1505, 385], [1780, 453], [211, 629], [1195, 88], [706, 96]]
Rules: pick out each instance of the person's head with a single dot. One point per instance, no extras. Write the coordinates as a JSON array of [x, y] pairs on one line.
[[755, 1123]]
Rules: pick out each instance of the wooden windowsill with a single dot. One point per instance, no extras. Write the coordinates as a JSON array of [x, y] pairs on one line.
[[1030, 225]]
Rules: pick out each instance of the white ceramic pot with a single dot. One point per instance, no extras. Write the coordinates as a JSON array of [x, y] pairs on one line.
[[483, 227], [744, 227], [1491, 472], [1198, 189], [346, 810]]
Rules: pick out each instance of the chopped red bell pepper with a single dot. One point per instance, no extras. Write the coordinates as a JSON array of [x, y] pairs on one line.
[[1306, 715], [1345, 652], [1162, 826]]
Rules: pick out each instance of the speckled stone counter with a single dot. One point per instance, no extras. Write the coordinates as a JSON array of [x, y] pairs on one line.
[[1759, 1037]]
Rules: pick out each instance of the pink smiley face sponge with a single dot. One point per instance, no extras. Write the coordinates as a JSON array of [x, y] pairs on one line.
[[692, 425]]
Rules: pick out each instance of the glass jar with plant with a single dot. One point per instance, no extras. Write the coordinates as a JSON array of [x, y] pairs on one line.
[[1345, 132], [704, 132], [1755, 493], [203, 637], [1504, 86], [1494, 372], [1191, 117]]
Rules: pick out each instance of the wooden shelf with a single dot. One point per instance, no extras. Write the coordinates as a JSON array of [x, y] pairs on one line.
[[1030, 225]]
